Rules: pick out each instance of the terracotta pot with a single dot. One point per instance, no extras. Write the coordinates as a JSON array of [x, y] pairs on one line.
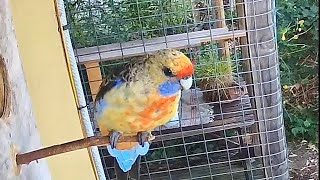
[[212, 93]]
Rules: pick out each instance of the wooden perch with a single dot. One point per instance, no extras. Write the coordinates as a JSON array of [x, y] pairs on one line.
[[26, 158]]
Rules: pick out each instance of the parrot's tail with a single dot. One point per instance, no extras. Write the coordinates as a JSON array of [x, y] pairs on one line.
[[132, 174], [128, 160]]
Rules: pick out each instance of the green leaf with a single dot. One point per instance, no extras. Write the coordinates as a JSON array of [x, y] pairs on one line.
[[295, 131], [306, 123], [314, 9]]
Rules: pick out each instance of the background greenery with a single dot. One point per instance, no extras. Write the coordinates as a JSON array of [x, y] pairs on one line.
[[109, 21], [298, 43]]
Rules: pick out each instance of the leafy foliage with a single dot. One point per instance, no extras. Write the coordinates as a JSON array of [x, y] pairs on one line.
[[298, 22], [109, 21]]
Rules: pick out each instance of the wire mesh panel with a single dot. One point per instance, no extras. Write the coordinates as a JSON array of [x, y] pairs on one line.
[[229, 124]]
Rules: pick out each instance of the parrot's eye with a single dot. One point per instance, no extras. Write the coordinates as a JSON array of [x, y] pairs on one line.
[[167, 72]]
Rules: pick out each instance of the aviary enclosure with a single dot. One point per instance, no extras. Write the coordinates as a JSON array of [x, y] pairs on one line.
[[230, 123]]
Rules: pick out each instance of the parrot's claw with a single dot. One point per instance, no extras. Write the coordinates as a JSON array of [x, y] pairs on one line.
[[143, 137], [114, 137]]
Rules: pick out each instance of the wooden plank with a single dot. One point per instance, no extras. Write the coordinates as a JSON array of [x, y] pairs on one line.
[[231, 123], [94, 77], [139, 47], [241, 115], [260, 24]]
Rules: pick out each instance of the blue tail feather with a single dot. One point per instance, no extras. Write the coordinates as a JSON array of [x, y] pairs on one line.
[[126, 158]]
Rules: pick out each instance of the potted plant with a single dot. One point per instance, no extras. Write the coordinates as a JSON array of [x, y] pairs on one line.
[[215, 75]]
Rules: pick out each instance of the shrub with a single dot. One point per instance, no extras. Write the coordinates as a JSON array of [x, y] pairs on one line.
[[298, 50]]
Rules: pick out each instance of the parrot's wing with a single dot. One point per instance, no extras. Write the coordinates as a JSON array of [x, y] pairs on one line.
[[112, 80], [121, 73], [115, 78]]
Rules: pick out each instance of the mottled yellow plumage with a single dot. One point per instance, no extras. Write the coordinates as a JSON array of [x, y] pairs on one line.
[[140, 114], [136, 103]]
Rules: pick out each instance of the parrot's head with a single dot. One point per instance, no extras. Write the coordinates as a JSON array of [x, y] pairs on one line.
[[172, 66]]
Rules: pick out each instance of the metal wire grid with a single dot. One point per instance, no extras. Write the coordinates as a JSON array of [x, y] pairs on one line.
[[204, 155]]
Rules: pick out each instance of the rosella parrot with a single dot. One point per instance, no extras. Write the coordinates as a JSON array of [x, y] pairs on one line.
[[135, 100]]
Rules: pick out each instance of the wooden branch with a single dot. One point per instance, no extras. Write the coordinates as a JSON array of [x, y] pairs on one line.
[[26, 158]]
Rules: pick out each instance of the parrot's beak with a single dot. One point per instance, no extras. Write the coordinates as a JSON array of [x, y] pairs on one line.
[[186, 83]]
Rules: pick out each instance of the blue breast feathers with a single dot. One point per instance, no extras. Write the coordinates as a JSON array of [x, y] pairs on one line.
[[169, 88], [126, 158]]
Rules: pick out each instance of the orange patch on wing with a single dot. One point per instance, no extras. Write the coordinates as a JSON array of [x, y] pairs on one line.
[[163, 114], [146, 121], [163, 104]]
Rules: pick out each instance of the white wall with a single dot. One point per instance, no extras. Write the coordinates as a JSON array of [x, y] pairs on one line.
[[17, 127]]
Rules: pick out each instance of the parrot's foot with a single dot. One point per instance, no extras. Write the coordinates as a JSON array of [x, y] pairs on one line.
[[114, 137], [144, 137]]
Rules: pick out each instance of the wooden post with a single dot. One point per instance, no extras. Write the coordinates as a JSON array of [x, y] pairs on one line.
[[266, 88], [247, 76], [94, 77], [222, 24], [254, 129]]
